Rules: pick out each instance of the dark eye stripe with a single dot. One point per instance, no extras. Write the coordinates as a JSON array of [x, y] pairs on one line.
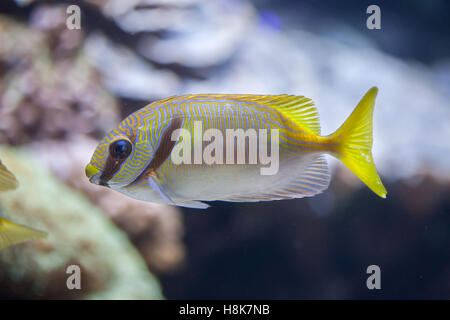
[[111, 167], [163, 151], [119, 151]]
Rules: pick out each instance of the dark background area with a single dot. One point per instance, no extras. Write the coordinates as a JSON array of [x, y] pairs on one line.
[[413, 30], [292, 252]]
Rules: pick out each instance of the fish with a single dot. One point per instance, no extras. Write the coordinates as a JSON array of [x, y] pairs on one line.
[[7, 179], [12, 233], [148, 156]]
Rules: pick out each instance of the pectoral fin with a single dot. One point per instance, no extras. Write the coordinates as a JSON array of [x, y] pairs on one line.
[[169, 197], [156, 186]]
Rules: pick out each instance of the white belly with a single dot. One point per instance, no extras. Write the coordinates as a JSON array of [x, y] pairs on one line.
[[221, 182]]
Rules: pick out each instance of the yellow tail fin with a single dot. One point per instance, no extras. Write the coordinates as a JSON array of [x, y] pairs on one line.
[[355, 138]]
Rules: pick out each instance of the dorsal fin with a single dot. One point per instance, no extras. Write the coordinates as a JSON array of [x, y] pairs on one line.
[[298, 109]]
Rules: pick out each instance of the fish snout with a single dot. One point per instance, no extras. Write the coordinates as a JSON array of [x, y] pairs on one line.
[[91, 171], [94, 175]]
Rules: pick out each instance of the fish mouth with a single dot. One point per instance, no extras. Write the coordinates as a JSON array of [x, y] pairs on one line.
[[95, 179], [94, 175], [103, 183]]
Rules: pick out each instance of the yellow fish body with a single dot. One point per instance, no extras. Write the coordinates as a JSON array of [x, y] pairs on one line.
[[10, 232], [149, 157]]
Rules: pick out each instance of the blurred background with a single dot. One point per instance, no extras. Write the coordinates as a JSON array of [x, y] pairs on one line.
[[61, 90]]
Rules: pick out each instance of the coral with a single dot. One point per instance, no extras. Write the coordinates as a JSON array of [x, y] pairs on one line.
[[79, 234], [52, 95], [48, 89], [155, 229]]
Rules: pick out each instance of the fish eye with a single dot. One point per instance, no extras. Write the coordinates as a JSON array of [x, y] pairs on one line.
[[120, 149]]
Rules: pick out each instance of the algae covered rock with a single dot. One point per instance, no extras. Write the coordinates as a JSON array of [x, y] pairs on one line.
[[79, 234], [156, 230], [48, 88]]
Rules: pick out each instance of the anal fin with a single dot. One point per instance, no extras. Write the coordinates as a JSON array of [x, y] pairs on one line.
[[159, 189], [313, 179], [191, 204]]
